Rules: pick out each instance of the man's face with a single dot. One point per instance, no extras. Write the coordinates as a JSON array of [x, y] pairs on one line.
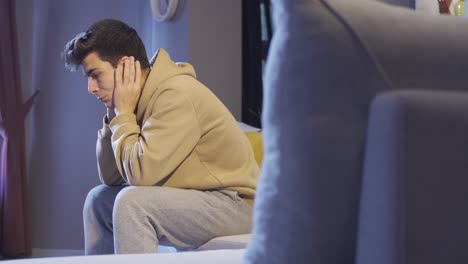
[[100, 75]]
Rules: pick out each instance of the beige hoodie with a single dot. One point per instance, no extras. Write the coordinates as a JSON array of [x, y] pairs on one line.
[[182, 136]]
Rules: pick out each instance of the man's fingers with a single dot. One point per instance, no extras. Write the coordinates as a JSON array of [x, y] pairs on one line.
[[126, 73], [138, 74], [127, 85], [132, 70], [118, 76]]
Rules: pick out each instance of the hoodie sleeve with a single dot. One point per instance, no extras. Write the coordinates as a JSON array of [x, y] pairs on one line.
[[148, 155], [107, 168]]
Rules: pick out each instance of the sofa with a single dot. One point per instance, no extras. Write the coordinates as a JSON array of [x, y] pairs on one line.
[[364, 124], [365, 140]]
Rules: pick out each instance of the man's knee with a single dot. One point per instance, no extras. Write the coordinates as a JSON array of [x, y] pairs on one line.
[[100, 198], [138, 198], [127, 199]]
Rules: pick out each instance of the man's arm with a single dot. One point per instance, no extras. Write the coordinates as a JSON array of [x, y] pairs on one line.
[[147, 155], [107, 167]]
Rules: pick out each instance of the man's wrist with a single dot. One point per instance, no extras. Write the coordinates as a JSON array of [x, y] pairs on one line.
[[105, 132], [110, 115], [123, 111]]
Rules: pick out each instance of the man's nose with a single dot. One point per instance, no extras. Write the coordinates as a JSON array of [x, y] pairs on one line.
[[92, 86]]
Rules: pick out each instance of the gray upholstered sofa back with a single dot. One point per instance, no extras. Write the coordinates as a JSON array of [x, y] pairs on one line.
[[328, 60]]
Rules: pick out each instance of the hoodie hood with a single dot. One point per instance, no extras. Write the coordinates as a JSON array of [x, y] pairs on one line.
[[162, 69]]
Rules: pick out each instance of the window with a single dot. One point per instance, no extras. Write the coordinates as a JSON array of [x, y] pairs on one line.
[[257, 31]]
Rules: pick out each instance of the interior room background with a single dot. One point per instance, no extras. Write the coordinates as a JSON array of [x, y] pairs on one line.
[[226, 40], [62, 126]]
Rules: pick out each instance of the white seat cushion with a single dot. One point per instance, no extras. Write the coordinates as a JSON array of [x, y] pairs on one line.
[[227, 242], [204, 257]]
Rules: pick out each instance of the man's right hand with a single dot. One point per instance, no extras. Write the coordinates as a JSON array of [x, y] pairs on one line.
[[110, 115]]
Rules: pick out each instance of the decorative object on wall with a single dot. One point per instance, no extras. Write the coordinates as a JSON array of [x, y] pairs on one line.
[[163, 10], [444, 7], [460, 8]]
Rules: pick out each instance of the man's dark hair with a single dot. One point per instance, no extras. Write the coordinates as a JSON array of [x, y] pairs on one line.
[[110, 39]]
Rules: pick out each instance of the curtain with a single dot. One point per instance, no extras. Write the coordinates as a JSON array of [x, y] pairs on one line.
[[15, 233]]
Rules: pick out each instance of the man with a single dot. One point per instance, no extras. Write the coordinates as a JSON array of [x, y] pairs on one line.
[[166, 133]]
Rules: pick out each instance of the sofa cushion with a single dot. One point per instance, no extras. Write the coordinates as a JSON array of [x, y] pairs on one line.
[[227, 242], [255, 139], [206, 257], [254, 135], [327, 60]]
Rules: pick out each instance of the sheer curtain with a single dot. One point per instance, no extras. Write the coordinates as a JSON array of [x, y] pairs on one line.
[[15, 238]]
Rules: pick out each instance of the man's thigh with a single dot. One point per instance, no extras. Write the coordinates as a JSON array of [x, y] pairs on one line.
[[187, 218]]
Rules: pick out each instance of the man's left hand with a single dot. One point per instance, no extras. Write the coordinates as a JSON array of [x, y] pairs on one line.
[[127, 86]]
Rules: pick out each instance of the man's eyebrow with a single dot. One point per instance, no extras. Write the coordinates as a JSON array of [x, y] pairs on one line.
[[88, 73]]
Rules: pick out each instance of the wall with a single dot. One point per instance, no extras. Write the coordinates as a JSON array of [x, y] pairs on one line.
[[63, 133], [215, 48], [63, 125]]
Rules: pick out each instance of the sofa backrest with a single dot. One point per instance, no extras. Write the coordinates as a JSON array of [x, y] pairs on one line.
[[327, 61]]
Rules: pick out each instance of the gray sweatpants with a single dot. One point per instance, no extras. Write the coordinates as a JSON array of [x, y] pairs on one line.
[[128, 219]]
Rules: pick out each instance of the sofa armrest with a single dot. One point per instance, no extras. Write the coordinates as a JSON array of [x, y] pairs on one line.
[[415, 185]]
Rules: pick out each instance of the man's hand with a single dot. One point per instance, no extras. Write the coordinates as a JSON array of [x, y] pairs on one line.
[[127, 86]]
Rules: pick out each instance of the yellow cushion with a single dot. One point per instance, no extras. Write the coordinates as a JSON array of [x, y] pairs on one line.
[[255, 139]]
